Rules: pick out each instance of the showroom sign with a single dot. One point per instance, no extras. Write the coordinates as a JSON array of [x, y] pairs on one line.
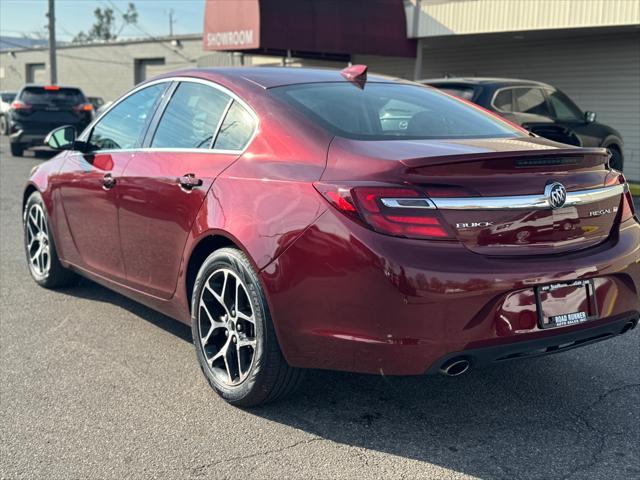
[[231, 25]]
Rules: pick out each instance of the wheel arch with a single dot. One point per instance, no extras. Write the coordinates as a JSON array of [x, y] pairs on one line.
[[208, 243], [29, 189]]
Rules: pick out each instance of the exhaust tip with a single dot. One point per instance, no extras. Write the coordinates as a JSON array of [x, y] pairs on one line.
[[628, 326], [455, 367]]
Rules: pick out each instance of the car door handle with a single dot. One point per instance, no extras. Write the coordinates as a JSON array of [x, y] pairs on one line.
[[108, 181], [189, 181]]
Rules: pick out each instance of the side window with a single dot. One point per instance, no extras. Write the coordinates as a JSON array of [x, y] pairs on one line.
[[564, 108], [531, 100], [122, 126], [236, 130], [503, 100], [191, 117]]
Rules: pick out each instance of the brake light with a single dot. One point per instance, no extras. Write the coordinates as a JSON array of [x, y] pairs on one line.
[[18, 105], [83, 107], [52, 87], [628, 210], [397, 211]]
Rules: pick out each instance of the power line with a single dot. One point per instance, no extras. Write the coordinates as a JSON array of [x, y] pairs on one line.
[[152, 37]]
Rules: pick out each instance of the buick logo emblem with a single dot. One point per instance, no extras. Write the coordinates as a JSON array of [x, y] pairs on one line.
[[556, 194]]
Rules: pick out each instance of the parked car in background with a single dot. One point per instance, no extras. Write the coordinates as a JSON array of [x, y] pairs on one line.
[[294, 222], [103, 108], [37, 109], [5, 103], [538, 107], [97, 102]]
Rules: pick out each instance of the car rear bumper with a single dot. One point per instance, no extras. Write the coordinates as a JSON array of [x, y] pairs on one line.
[[27, 139], [484, 357], [343, 297]]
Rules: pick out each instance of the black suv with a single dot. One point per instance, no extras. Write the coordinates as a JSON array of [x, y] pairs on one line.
[[538, 107], [36, 110]]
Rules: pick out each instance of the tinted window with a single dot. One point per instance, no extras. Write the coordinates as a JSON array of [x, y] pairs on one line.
[[382, 111], [122, 126], [191, 118], [531, 100], [8, 97], [459, 91], [52, 96], [502, 100], [564, 108], [236, 129]]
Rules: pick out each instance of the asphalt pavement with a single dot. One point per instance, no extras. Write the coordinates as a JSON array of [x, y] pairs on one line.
[[93, 385]]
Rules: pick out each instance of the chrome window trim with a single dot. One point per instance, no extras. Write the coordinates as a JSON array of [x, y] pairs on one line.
[[408, 203], [226, 91], [527, 202]]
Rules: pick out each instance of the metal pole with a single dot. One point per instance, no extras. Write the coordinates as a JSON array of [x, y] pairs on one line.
[[417, 67], [53, 67]]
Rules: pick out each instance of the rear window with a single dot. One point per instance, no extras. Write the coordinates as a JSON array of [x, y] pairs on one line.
[[7, 97], [55, 96], [387, 111]]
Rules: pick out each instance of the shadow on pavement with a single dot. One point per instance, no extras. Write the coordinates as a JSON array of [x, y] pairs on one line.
[[527, 419]]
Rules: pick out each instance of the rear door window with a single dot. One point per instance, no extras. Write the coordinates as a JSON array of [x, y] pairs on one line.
[[532, 101], [236, 130], [122, 126], [503, 100], [191, 117]]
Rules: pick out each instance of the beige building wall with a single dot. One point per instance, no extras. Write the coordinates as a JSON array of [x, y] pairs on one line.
[[455, 17]]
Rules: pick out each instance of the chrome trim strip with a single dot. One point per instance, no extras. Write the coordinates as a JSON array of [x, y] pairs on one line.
[[408, 203], [527, 202]]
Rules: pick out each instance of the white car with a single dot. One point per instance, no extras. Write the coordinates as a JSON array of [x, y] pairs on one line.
[[5, 104]]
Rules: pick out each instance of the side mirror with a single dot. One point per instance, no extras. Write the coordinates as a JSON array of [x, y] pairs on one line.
[[589, 117], [62, 138]]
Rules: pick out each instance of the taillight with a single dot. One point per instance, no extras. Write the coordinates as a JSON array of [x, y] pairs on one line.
[[83, 107], [398, 211], [18, 105], [628, 210]]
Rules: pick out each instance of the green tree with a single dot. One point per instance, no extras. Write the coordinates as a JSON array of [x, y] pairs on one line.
[[105, 27]]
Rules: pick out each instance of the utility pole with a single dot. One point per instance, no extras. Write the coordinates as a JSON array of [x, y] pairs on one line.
[[171, 22], [53, 67]]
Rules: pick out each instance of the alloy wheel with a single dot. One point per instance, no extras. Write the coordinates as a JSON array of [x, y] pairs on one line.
[[226, 327], [38, 245]]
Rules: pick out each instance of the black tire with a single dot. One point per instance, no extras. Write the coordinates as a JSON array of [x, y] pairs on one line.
[[269, 377], [17, 149], [616, 160], [4, 125], [55, 276]]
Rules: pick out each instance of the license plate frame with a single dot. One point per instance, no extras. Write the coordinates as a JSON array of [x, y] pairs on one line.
[[569, 318]]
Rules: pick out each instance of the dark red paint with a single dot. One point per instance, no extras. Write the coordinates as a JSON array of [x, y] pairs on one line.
[[341, 295]]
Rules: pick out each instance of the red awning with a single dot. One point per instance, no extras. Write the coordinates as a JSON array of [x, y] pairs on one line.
[[369, 27]]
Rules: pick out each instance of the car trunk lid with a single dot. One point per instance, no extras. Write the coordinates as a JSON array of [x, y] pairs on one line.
[[494, 193]]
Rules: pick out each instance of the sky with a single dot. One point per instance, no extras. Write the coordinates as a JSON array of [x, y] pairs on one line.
[[27, 17]]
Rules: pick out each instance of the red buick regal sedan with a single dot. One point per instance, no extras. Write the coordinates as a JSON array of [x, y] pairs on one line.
[[307, 218]]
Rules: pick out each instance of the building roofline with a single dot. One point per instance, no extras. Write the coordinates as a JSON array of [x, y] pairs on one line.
[[69, 46]]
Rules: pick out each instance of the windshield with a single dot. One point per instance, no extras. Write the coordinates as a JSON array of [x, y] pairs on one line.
[[388, 111], [52, 95]]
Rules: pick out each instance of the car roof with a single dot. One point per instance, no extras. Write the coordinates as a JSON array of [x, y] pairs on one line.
[[37, 85], [502, 82], [269, 77]]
